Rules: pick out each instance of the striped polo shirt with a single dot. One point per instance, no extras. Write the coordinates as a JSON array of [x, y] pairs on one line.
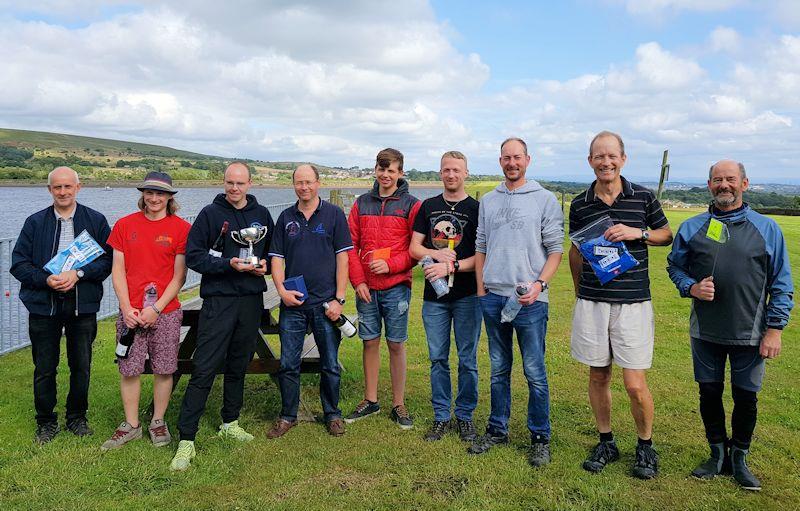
[[637, 207]]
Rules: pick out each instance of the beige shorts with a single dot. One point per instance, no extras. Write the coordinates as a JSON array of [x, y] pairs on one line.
[[622, 332]]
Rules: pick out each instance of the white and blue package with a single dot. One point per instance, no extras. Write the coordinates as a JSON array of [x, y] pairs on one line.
[[82, 251], [607, 258]]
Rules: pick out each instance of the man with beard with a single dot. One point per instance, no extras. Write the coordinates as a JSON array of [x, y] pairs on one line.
[[519, 239], [730, 260], [445, 230]]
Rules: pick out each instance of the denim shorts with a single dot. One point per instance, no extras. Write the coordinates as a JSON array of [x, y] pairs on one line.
[[391, 305]]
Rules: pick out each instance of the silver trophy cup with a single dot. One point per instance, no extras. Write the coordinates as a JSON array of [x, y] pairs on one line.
[[248, 237]]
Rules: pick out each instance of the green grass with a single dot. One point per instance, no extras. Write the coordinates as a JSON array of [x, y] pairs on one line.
[[377, 466]]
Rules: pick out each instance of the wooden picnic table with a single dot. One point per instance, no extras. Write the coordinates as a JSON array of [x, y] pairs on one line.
[[265, 362]]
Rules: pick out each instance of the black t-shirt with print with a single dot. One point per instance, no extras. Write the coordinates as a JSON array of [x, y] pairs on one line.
[[439, 223]]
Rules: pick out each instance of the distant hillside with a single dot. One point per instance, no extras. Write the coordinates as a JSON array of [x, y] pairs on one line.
[[57, 141]]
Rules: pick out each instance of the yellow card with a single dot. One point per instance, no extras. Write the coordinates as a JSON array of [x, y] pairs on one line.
[[714, 231]]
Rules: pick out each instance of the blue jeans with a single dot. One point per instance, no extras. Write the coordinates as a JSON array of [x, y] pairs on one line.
[[293, 324], [531, 327], [465, 315]]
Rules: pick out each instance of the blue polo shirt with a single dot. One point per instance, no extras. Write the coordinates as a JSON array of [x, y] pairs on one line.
[[309, 248]]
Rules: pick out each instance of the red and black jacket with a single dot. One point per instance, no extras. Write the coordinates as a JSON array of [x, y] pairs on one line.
[[378, 223]]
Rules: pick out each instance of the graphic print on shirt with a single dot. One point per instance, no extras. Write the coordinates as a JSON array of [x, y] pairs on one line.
[[513, 218], [292, 228], [444, 227]]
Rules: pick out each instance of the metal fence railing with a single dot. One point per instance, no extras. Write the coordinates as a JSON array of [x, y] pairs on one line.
[[14, 316]]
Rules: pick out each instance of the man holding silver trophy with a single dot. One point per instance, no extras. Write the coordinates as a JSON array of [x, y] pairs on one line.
[[233, 266]]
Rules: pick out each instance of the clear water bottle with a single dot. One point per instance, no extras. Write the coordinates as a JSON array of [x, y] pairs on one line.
[[150, 295], [439, 285], [512, 307], [344, 324]]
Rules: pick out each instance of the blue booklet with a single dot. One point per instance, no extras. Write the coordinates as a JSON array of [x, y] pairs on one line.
[[297, 283]]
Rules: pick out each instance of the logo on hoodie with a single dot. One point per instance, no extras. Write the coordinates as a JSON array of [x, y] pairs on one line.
[[511, 217]]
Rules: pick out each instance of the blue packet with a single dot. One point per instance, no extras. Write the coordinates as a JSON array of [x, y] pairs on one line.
[[82, 251], [607, 258], [297, 283]]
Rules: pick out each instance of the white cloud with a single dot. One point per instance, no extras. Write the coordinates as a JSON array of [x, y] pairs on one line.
[[725, 39]]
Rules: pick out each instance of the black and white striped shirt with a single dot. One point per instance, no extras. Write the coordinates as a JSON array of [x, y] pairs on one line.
[[637, 207]]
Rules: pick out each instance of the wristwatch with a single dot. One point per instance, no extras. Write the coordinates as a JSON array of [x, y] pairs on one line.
[[79, 273], [455, 266], [341, 301], [543, 284], [645, 235]]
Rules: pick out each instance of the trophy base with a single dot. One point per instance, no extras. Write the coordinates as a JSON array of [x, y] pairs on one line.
[[255, 262]]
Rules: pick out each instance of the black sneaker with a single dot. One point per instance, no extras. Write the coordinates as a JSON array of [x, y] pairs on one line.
[[80, 427], [401, 416], [466, 430], [741, 472], [438, 430], [646, 464], [46, 432], [486, 442], [364, 409], [539, 454], [602, 454]]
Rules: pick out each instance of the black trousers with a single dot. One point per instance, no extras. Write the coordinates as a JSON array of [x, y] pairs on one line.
[[226, 337], [45, 333]]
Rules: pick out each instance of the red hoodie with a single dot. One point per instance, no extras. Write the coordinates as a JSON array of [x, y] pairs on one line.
[[378, 223]]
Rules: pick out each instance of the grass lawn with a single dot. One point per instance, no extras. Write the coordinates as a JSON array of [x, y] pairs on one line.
[[377, 466]]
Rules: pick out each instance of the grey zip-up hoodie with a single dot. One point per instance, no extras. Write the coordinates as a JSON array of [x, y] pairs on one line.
[[517, 230]]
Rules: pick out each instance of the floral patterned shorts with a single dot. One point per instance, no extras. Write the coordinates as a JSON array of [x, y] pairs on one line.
[[159, 342]]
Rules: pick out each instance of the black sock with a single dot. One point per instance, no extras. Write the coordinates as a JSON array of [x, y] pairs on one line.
[[607, 437], [649, 442]]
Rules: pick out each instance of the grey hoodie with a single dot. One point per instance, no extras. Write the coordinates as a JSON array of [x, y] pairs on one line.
[[517, 230]]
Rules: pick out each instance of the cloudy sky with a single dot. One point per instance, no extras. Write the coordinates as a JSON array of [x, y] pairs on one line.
[[335, 81]]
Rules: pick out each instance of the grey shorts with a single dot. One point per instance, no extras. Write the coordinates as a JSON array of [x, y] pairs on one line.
[[709, 360], [603, 332]]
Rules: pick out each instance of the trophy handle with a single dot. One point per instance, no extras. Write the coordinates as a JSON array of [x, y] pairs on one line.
[[236, 238], [262, 233]]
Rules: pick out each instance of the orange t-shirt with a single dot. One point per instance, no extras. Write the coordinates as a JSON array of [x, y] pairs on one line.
[[150, 247]]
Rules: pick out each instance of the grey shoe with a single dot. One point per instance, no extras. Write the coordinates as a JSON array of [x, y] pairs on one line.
[[159, 433], [539, 454], [484, 443], [438, 430], [466, 430], [363, 410], [123, 434], [401, 416], [715, 464], [646, 464], [46, 432], [741, 472], [602, 454], [80, 427]]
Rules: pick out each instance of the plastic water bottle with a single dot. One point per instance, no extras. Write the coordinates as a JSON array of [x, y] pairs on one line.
[[150, 295], [512, 307], [439, 285]]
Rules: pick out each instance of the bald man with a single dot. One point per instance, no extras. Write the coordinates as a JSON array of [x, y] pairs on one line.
[[232, 290], [66, 302], [734, 264]]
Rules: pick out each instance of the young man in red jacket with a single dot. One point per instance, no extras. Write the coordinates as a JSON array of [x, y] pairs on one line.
[[381, 223]]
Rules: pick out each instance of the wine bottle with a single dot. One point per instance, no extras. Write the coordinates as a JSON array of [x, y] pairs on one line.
[[219, 243], [343, 323]]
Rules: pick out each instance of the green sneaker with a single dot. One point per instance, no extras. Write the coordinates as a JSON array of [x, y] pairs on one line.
[[234, 431], [183, 457]]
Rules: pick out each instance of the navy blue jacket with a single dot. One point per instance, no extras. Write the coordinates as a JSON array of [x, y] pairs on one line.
[[38, 243], [219, 278], [751, 266]]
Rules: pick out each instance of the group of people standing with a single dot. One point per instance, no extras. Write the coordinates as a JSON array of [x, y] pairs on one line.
[[499, 251]]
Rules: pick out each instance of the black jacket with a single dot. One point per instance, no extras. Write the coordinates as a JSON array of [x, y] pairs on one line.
[[37, 244], [219, 278]]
